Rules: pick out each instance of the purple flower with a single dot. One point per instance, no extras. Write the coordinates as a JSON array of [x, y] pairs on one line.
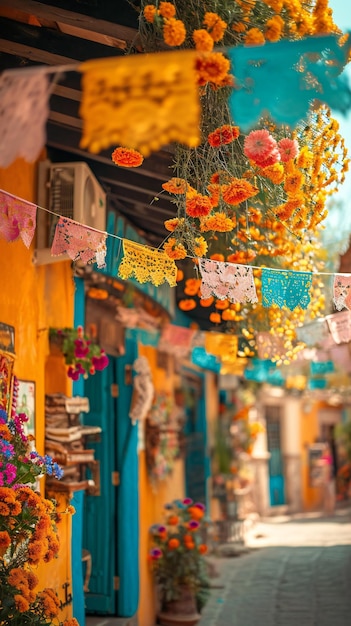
[[10, 472], [187, 501], [162, 529], [193, 524], [156, 553]]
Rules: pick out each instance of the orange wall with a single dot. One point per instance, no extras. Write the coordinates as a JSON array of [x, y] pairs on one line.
[[151, 502], [311, 496], [33, 299]]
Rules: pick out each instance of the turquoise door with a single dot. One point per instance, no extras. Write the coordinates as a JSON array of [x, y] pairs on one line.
[[111, 519], [276, 469]]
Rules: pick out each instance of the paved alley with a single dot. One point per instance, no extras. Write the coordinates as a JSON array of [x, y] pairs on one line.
[[297, 572]]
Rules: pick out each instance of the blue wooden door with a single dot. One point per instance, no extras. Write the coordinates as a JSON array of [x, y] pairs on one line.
[[111, 520], [276, 469]]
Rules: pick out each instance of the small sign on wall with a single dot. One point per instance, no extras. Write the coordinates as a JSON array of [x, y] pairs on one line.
[[315, 468], [26, 404]]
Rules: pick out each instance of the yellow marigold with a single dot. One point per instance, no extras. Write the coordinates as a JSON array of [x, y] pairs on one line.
[[167, 9], [22, 605], [275, 173], [212, 67], [254, 37], [187, 305], [294, 181], [200, 247], [174, 250], [215, 25], [174, 32], [228, 315], [173, 223], [237, 191], [149, 13], [192, 286], [274, 28], [218, 222], [202, 40], [305, 158]]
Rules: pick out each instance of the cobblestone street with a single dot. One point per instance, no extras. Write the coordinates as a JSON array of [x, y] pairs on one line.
[[297, 571]]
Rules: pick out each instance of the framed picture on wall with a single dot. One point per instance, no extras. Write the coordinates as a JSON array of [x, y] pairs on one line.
[[26, 403]]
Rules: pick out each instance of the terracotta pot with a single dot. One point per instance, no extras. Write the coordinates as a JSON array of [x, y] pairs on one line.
[[180, 611]]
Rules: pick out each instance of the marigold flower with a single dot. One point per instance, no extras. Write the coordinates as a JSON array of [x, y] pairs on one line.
[[200, 247], [174, 250], [173, 520], [294, 181], [187, 305], [127, 157], [219, 222], [222, 304], [50, 603], [237, 191], [71, 621], [215, 194], [223, 135], [173, 544], [173, 223], [203, 40], [202, 548], [5, 539], [174, 32], [149, 13], [212, 67], [274, 28], [215, 318], [288, 149], [198, 206], [22, 605], [166, 9], [205, 302], [215, 25], [220, 177], [275, 173], [217, 257], [254, 37], [192, 286], [176, 185], [180, 275]]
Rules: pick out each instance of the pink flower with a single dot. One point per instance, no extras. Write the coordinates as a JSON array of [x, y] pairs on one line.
[[288, 149], [81, 349], [259, 145], [272, 158], [72, 373], [100, 362]]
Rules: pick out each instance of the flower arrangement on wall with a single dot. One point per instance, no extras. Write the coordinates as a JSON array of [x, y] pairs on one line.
[[258, 198], [28, 528], [82, 353]]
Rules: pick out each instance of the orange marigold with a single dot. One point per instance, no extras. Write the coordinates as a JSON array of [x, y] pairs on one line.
[[149, 13], [173, 520], [50, 603], [215, 193], [174, 32], [202, 40], [173, 223], [217, 257], [274, 28], [202, 548], [192, 286], [174, 250], [22, 605], [173, 544], [5, 539], [254, 37], [215, 318], [205, 302], [187, 305], [212, 67], [222, 304], [237, 191], [274, 172], [167, 9], [71, 621], [220, 177], [294, 181], [215, 25], [218, 222], [223, 135], [180, 275], [176, 185], [127, 157], [198, 206]]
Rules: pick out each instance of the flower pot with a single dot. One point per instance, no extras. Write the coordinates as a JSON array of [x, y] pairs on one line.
[[180, 611]]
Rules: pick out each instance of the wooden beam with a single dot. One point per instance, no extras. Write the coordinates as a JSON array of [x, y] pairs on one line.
[[34, 54], [76, 24]]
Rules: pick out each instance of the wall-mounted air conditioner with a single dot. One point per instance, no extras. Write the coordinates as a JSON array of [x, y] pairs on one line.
[[70, 190]]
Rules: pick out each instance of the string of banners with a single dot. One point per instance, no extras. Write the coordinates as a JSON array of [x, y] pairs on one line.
[[123, 96], [289, 288]]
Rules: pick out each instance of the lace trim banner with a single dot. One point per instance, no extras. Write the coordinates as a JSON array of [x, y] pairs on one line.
[[17, 218], [79, 242], [296, 71], [147, 265], [140, 103], [176, 340], [340, 326], [24, 98], [221, 345], [342, 292], [227, 281], [286, 288]]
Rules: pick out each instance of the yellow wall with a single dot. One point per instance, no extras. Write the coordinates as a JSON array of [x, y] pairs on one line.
[[151, 503], [33, 299], [311, 496]]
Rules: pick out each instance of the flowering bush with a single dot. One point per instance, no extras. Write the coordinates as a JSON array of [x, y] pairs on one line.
[[177, 553], [82, 354], [28, 528]]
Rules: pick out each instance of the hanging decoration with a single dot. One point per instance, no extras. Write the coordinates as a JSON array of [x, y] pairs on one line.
[[79, 242], [342, 292], [227, 281], [286, 288], [24, 96], [140, 103], [313, 334], [17, 218], [143, 390], [222, 345], [340, 326], [147, 264], [297, 72], [176, 340]]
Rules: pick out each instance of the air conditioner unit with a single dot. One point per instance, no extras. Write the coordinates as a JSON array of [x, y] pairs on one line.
[[68, 190]]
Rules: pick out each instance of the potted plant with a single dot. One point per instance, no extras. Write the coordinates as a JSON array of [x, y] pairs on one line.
[[81, 352], [178, 562]]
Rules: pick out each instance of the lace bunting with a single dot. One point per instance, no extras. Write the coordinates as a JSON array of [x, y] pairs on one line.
[[147, 265], [79, 242], [340, 326], [286, 288], [314, 334], [297, 72], [24, 97], [342, 292], [227, 281], [141, 105], [176, 340], [17, 218], [222, 345]]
